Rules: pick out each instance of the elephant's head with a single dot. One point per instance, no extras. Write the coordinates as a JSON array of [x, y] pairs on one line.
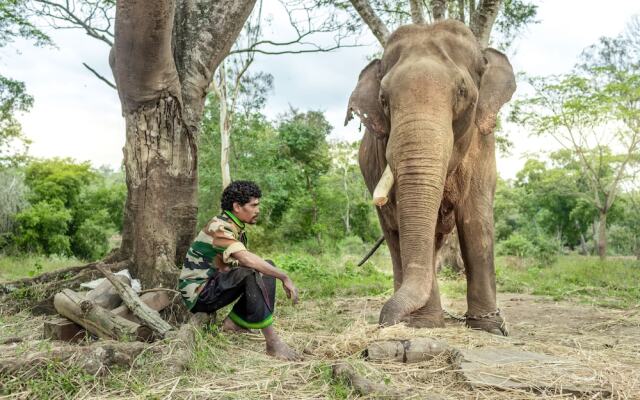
[[433, 89]]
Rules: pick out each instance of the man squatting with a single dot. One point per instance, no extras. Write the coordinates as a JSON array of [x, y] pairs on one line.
[[219, 269]]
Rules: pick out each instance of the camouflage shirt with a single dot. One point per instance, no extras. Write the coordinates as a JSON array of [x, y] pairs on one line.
[[211, 250]]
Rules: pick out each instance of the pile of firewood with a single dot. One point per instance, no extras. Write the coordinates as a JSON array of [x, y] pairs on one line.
[[112, 310], [122, 321]]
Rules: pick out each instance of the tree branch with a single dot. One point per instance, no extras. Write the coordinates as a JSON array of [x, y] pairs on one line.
[[378, 28], [102, 78], [83, 18], [196, 55], [144, 67]]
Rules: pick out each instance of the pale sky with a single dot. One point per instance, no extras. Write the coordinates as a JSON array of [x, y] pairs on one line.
[[76, 115]]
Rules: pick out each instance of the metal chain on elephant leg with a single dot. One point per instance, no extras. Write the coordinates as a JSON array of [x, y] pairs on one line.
[[453, 316], [494, 316]]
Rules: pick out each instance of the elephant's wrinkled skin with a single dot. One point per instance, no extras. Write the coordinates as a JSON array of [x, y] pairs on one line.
[[430, 108]]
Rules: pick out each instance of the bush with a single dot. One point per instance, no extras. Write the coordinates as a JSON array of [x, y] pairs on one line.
[[542, 250], [91, 240], [42, 228]]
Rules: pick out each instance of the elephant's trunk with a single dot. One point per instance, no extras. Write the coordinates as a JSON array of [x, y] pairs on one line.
[[418, 152]]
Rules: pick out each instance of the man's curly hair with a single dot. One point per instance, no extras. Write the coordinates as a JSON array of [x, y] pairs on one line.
[[239, 192]]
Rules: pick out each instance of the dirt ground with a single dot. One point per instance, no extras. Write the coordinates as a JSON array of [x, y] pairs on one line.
[[593, 348], [601, 346]]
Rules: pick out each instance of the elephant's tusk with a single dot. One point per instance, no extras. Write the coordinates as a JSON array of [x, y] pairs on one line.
[[381, 192]]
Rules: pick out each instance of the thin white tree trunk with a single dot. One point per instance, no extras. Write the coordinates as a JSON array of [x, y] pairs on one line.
[[417, 13], [602, 234], [225, 128]]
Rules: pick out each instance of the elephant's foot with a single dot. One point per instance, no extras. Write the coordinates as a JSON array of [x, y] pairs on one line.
[[390, 314], [426, 318], [491, 322]]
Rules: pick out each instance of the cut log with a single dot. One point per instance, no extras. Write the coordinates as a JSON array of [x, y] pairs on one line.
[[105, 295], [93, 359], [407, 351], [67, 330], [97, 320], [146, 314], [63, 329], [157, 301]]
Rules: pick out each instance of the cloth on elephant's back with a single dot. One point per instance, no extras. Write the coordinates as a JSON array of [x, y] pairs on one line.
[[222, 236]]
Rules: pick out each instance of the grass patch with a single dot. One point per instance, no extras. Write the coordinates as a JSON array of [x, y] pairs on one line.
[[334, 275], [24, 266], [610, 283]]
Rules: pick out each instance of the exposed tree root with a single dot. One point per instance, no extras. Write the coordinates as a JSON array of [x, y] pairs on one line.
[[184, 341], [93, 359]]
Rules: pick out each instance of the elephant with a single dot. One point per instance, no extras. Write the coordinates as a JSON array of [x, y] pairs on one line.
[[429, 106]]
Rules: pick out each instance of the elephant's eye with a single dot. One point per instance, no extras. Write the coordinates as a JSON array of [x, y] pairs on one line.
[[462, 91]]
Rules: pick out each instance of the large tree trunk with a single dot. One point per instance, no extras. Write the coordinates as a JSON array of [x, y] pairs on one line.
[[163, 59], [160, 162], [602, 234]]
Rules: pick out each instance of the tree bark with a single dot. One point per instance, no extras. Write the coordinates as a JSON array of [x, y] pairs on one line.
[[407, 351], [461, 11], [97, 320], [163, 60], [146, 314], [483, 19], [602, 234], [105, 295], [225, 125], [93, 359], [160, 157], [417, 13], [378, 28]]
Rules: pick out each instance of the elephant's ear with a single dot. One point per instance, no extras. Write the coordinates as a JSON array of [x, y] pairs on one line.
[[496, 88], [365, 102]]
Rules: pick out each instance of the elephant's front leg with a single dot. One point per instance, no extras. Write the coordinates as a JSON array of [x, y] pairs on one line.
[[474, 220]]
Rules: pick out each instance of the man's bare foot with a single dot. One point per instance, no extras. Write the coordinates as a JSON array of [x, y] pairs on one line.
[[229, 326], [279, 349]]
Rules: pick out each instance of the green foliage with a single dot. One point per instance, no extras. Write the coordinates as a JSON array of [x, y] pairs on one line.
[[593, 113], [313, 192], [14, 24], [333, 274], [13, 192], [42, 228], [91, 239], [74, 209], [611, 283], [539, 248]]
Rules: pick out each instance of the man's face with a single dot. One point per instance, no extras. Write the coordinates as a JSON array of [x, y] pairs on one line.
[[249, 212]]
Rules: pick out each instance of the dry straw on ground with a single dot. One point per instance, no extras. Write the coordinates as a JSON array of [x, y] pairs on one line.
[[600, 353]]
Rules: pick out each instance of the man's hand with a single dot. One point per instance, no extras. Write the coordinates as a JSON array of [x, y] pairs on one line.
[[290, 289]]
